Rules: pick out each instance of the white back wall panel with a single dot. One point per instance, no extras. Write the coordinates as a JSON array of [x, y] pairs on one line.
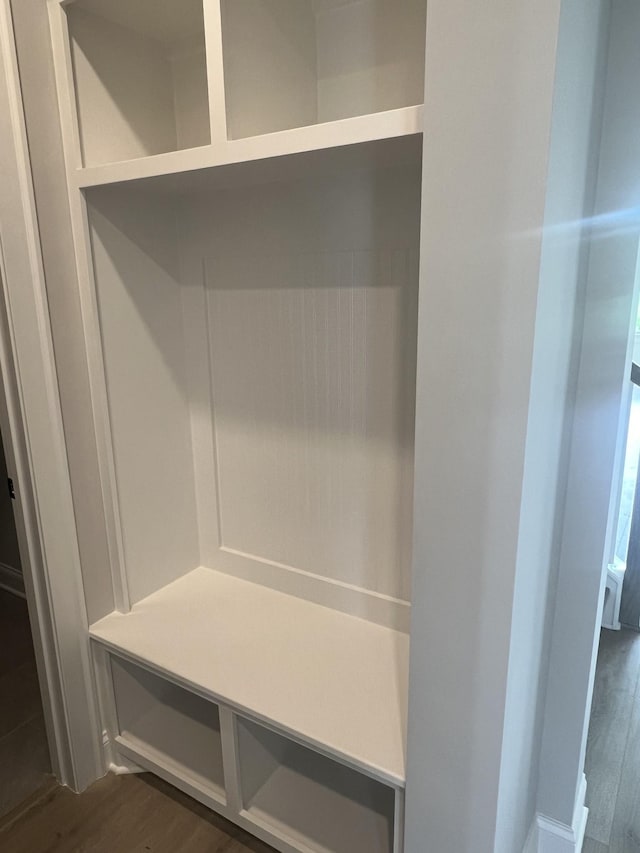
[[270, 65], [312, 457], [190, 90], [370, 57], [311, 294]]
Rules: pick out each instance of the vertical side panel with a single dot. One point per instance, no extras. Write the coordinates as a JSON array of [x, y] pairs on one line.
[[79, 226], [197, 359], [140, 307], [215, 71], [231, 758], [66, 88], [398, 822]]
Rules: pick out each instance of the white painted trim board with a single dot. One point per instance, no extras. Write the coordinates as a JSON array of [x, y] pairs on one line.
[[37, 461], [90, 320]]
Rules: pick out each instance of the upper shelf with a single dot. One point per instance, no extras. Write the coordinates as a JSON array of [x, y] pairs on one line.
[[161, 86], [337, 682], [367, 132]]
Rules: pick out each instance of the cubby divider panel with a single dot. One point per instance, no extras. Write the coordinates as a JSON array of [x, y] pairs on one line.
[[140, 77], [173, 722], [310, 800]]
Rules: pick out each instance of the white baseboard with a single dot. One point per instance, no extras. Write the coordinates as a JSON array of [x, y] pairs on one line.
[[11, 579], [551, 836], [125, 768], [119, 765]]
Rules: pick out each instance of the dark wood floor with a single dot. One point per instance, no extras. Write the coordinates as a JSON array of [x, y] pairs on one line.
[[121, 814], [613, 748], [24, 755]]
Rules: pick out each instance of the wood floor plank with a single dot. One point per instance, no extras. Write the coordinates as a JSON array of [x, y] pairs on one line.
[[24, 754], [27, 805], [617, 676], [128, 814], [19, 697], [24, 763], [625, 830], [618, 654], [630, 601], [16, 644], [603, 765]]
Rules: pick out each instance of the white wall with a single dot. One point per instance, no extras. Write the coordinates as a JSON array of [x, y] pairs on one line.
[[575, 136], [602, 381], [489, 92], [496, 518]]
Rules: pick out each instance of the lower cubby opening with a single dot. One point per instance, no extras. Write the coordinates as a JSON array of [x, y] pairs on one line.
[[288, 794], [169, 726], [310, 801]]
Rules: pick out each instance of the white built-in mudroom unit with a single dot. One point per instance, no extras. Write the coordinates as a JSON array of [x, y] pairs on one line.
[[317, 356], [245, 178]]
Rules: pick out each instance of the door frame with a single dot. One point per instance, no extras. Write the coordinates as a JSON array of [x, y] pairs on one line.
[[33, 435]]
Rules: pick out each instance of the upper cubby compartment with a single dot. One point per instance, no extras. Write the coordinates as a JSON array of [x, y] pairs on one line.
[[294, 63], [140, 77]]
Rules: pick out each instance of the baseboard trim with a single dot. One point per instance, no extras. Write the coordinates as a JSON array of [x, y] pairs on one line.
[[550, 836], [119, 764], [11, 579], [125, 768]]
